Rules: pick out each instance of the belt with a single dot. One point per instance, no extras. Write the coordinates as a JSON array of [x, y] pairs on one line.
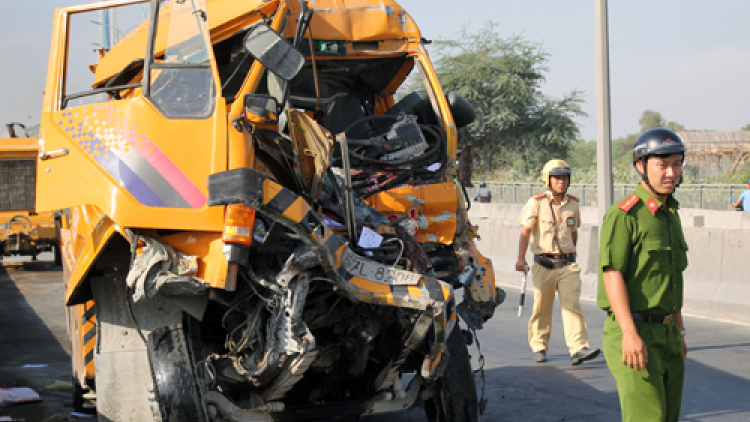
[[558, 256], [652, 319], [559, 260]]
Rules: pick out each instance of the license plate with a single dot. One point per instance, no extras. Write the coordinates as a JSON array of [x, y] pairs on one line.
[[384, 274]]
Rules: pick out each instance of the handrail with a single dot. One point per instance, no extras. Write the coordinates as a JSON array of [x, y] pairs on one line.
[[705, 196]]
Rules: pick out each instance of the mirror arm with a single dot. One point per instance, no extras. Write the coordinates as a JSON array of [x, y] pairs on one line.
[[301, 22], [305, 15], [239, 123]]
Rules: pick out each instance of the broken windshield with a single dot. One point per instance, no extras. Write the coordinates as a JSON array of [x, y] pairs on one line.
[[188, 40], [182, 83]]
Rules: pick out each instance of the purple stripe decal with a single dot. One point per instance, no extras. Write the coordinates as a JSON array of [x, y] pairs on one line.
[[129, 180], [127, 155], [172, 174], [152, 178]]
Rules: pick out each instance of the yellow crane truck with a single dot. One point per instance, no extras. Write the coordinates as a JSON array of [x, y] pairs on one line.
[[258, 229], [23, 231]]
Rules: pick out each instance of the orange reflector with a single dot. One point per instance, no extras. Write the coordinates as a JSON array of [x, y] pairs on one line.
[[239, 221]]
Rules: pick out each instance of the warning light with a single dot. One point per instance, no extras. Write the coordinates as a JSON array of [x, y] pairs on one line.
[[239, 221]]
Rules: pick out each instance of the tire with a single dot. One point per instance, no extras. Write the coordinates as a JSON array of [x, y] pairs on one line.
[[77, 396], [79, 402], [58, 255], [135, 379], [455, 393]]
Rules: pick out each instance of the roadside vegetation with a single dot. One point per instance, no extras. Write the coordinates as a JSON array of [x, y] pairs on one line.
[[518, 128]]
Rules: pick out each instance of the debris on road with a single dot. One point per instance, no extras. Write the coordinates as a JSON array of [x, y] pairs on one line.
[[59, 386], [18, 395]]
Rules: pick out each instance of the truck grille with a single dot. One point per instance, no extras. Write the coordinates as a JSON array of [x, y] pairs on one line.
[[18, 184]]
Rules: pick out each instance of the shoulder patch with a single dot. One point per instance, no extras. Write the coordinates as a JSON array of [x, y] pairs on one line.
[[540, 195], [574, 198], [628, 203]]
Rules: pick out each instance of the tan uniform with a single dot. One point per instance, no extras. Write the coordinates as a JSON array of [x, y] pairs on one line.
[[538, 216]]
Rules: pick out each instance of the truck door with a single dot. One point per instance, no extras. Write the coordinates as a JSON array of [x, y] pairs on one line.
[[142, 150]]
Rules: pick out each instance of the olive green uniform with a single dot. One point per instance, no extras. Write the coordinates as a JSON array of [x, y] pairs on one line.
[[643, 239]]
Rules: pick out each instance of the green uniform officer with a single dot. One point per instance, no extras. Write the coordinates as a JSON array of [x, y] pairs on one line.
[[642, 256]]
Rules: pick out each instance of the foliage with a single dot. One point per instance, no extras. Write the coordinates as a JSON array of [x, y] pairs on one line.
[[517, 126], [582, 156], [651, 119]]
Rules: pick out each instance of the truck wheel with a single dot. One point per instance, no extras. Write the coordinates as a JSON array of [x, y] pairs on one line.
[[455, 398], [79, 402], [141, 352], [58, 255]]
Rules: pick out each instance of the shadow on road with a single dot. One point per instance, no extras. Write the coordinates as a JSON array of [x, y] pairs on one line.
[[31, 308], [716, 395], [33, 331], [720, 346]]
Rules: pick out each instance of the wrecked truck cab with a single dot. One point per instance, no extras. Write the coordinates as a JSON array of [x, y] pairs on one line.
[[256, 215]]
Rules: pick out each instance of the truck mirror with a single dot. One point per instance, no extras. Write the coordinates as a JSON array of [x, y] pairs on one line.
[[275, 53], [261, 109]]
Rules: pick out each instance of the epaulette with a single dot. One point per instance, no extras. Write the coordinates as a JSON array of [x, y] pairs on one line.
[[540, 195], [574, 198], [628, 203]]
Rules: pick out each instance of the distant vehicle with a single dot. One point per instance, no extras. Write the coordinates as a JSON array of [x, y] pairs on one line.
[[23, 231]]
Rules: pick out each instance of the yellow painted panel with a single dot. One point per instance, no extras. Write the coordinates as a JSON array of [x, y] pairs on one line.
[[90, 231], [133, 163], [371, 286], [297, 211], [357, 20], [415, 291], [208, 247], [436, 206]]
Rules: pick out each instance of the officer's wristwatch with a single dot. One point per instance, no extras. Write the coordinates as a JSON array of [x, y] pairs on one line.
[[683, 332]]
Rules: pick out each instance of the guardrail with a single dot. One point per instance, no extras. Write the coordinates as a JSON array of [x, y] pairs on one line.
[[711, 197], [715, 282]]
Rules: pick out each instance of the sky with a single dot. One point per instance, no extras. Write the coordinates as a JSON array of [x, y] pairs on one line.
[[687, 59]]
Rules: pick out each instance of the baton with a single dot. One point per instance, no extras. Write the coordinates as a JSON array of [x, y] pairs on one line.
[[523, 291]]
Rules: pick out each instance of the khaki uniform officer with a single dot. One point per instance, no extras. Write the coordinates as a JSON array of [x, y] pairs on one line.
[[642, 254], [549, 225]]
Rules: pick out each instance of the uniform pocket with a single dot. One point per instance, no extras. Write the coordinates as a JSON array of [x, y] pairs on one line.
[[567, 223], [546, 226], [658, 255]]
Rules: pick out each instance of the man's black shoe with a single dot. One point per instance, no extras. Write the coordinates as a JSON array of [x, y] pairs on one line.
[[540, 356], [583, 355]]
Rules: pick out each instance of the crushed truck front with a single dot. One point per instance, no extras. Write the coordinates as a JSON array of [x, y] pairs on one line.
[[292, 237]]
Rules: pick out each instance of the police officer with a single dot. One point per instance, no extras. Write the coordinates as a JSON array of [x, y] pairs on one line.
[[641, 260], [483, 194], [549, 225]]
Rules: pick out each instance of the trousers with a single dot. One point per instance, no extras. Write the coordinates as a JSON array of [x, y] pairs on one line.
[[566, 281], [653, 394]]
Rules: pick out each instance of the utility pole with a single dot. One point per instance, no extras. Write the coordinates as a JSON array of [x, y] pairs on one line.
[[603, 115], [104, 31]]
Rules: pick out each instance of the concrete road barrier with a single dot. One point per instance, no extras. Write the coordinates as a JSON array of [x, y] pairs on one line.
[[717, 280]]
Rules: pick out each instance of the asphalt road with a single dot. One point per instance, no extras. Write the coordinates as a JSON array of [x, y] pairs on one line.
[[717, 388], [34, 348]]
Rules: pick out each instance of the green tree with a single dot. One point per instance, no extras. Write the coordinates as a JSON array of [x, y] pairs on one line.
[[746, 127], [651, 119], [582, 155], [501, 78], [622, 148]]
